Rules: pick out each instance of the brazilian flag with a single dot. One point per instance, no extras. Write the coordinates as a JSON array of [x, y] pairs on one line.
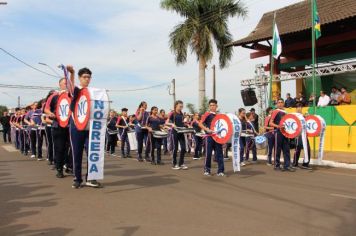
[[316, 21]]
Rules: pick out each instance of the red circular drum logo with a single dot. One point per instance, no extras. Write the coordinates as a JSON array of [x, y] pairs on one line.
[[63, 112], [313, 126], [82, 109], [292, 126], [222, 127]]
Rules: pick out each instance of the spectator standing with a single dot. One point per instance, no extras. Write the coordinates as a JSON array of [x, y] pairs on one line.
[[289, 102], [334, 96], [344, 98], [324, 99]]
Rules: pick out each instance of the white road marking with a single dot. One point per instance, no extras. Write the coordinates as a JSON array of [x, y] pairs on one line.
[[342, 196], [9, 148]]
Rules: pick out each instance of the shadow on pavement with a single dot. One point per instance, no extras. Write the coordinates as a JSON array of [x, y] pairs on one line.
[[21, 200], [143, 182]]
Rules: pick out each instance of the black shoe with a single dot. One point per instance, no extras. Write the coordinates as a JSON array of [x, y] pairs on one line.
[[76, 185], [153, 163], [160, 163], [93, 183], [60, 174], [165, 152], [139, 159], [50, 163], [288, 169], [69, 171], [277, 168], [305, 167], [128, 156]]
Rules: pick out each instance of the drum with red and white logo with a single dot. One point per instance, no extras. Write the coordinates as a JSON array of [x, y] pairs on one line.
[[82, 110], [63, 111], [222, 128], [314, 125], [292, 125]]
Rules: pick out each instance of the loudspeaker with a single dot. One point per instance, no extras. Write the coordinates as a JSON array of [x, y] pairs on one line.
[[249, 97]]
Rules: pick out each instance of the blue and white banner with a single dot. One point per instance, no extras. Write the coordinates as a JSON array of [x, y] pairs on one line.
[[97, 130], [322, 139], [235, 141]]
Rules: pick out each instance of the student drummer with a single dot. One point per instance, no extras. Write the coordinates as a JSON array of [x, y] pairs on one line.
[[123, 125], [79, 138]]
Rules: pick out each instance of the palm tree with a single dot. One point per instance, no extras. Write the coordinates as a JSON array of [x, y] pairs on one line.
[[205, 21]]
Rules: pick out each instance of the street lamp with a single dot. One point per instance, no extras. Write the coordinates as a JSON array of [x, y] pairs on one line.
[[51, 68], [3, 3]]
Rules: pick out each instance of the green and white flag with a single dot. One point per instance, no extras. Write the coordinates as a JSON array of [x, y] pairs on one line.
[[276, 43]]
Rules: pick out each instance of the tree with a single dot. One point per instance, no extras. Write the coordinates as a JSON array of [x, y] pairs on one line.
[[2, 110], [205, 21], [191, 108], [205, 106]]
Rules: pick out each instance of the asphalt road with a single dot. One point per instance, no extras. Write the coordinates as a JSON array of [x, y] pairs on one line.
[[141, 199]]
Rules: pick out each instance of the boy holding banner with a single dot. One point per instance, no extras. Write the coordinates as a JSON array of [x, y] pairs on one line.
[[79, 138]]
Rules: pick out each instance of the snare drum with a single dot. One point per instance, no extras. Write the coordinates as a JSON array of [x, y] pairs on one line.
[[261, 142], [159, 134], [184, 130]]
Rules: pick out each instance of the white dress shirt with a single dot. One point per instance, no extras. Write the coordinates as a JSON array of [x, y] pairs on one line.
[[323, 101]]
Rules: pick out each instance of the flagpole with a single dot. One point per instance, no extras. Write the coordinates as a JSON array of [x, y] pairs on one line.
[[313, 65], [271, 65]]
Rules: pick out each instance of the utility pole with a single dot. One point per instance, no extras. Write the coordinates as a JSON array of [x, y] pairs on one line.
[[172, 90], [214, 82], [18, 101]]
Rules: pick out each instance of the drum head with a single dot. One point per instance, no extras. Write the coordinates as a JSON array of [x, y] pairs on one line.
[[82, 109], [313, 126], [63, 111], [222, 127], [292, 126]]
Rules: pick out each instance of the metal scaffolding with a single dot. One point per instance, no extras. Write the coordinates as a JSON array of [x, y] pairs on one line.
[[261, 81], [321, 71]]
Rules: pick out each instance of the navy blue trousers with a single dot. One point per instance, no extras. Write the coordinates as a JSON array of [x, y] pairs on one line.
[[178, 138], [270, 141], [142, 137], [79, 140], [198, 146], [282, 144], [50, 155], [211, 146]]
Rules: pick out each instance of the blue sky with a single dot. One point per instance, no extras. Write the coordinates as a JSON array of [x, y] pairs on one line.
[[124, 43]]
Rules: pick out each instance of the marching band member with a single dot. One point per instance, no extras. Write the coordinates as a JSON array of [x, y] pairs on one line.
[[176, 119], [163, 117], [141, 131], [79, 138], [242, 140], [281, 142], [111, 134], [23, 134], [60, 135], [155, 123], [31, 128], [15, 123], [48, 128], [37, 122], [5, 122], [124, 126], [210, 143], [250, 141], [197, 139], [299, 146], [269, 135]]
